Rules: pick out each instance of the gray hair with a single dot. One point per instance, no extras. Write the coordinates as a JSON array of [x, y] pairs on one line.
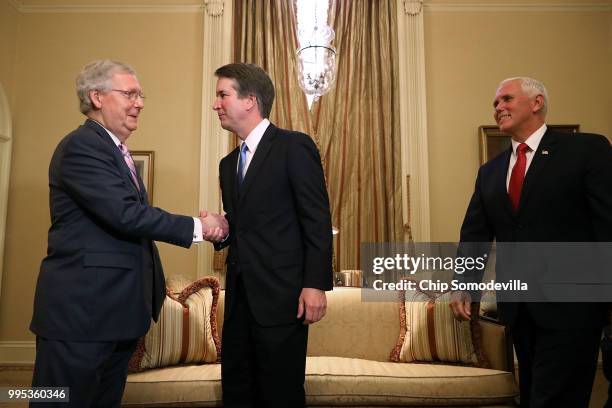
[[96, 76], [531, 87]]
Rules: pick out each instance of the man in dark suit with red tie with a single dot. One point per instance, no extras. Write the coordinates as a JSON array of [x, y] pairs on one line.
[[549, 187], [102, 280], [280, 245]]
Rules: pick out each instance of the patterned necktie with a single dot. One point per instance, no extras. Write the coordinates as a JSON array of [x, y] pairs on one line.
[[242, 162], [518, 176], [130, 162]]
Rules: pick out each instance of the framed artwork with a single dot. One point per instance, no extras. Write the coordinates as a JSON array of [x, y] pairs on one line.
[[143, 160], [493, 141]]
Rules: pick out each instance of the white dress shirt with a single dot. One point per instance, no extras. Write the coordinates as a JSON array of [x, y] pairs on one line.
[[252, 141], [533, 141]]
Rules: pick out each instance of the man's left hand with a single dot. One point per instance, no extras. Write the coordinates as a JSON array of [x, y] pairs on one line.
[[312, 305]]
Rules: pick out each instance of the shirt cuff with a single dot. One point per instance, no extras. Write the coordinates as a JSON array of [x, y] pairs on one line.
[[197, 230]]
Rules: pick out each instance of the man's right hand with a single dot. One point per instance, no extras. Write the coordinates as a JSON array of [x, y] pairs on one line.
[[461, 305], [214, 226]]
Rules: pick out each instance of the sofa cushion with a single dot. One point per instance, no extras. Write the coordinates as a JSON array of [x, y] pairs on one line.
[[354, 327], [179, 386], [349, 381], [429, 332], [186, 331], [335, 381]]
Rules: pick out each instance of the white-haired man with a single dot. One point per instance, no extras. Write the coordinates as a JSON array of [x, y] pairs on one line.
[[102, 280], [548, 187]]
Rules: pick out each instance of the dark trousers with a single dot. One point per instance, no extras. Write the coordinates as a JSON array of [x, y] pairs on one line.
[[95, 372], [556, 366], [261, 366]]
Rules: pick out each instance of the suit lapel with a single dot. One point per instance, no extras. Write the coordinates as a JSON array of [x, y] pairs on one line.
[[541, 157], [127, 174], [144, 196], [500, 182], [231, 171], [258, 159], [123, 167], [141, 193]]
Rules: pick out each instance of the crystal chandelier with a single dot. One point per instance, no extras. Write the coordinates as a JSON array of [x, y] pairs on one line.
[[316, 56]]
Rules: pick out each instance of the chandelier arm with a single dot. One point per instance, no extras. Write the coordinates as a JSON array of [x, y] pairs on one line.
[[332, 49]]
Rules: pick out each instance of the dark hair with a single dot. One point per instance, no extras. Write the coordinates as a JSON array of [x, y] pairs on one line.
[[251, 79]]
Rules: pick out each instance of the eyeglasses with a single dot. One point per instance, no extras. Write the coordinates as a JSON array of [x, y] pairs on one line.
[[131, 95]]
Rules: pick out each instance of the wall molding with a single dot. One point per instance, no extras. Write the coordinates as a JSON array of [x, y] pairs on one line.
[[413, 121], [529, 7], [215, 4], [64, 9], [214, 8], [15, 4], [17, 352], [413, 7]]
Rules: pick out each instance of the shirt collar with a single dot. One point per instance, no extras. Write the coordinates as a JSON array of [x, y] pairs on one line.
[[115, 138], [253, 139], [533, 141]]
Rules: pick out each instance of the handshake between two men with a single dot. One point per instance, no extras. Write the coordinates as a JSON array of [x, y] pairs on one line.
[[214, 226]]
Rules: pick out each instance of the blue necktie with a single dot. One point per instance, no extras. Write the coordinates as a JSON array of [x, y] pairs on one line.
[[242, 162]]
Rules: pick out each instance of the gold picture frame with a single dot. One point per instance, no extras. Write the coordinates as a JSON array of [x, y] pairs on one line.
[[144, 161], [493, 141]]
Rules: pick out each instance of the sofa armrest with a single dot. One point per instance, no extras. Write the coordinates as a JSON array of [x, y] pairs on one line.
[[496, 343]]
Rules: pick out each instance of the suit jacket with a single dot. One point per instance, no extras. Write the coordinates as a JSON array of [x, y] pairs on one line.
[[566, 197], [280, 225], [102, 278]]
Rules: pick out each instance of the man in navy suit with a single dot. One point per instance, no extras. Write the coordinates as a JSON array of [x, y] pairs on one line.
[[280, 245], [102, 280], [548, 187]]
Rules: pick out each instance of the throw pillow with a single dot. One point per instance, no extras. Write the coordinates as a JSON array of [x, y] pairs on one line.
[[430, 333], [186, 331]]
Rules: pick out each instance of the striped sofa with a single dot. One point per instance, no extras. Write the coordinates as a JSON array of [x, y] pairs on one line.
[[348, 365]]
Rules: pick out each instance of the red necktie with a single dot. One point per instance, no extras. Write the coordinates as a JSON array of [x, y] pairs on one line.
[[518, 176]]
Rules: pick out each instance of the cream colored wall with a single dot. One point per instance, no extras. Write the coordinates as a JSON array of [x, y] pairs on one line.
[[9, 25], [468, 53], [166, 51]]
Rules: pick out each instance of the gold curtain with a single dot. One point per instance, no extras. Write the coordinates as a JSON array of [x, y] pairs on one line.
[[356, 125], [264, 34]]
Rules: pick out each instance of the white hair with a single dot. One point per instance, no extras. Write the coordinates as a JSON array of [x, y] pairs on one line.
[[97, 76], [531, 87]]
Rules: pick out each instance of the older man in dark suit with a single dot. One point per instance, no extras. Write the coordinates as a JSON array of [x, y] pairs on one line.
[[280, 245], [102, 280], [548, 187]]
